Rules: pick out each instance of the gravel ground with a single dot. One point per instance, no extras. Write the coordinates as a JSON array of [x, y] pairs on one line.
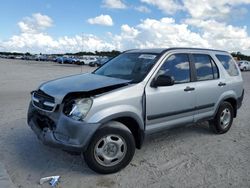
[[183, 157]]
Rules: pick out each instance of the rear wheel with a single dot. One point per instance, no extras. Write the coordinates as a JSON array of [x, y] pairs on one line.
[[111, 149], [223, 119]]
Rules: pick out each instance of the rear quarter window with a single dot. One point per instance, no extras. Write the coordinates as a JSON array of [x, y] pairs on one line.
[[205, 67], [228, 63]]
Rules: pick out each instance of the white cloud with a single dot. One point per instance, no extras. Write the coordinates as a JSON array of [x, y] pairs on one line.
[[33, 39], [223, 36], [114, 4], [214, 9], [166, 6], [128, 31], [167, 33], [43, 21], [35, 23], [101, 20], [143, 9], [44, 43], [164, 33], [149, 33], [204, 9]]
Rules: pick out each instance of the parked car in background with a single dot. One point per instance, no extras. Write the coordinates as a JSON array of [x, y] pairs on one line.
[[99, 62], [244, 65], [25, 57], [18, 57], [3, 56], [59, 59], [11, 57], [80, 62], [75, 60], [86, 60], [106, 114], [64, 59], [51, 58], [28, 57], [41, 58]]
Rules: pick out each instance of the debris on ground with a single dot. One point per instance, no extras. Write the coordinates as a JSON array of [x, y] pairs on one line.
[[53, 180]]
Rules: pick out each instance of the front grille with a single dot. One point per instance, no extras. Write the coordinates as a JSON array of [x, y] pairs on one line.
[[43, 101]]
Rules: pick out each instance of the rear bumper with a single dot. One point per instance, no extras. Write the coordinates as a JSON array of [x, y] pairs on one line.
[[240, 99], [60, 131]]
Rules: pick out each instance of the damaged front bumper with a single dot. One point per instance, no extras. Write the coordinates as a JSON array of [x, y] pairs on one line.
[[58, 130]]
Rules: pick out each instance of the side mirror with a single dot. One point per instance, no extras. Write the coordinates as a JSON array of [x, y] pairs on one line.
[[162, 80]]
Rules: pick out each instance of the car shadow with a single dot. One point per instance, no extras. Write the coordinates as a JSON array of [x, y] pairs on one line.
[[36, 157], [43, 160]]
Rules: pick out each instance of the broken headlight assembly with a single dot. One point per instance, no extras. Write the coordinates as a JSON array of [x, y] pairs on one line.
[[77, 109]]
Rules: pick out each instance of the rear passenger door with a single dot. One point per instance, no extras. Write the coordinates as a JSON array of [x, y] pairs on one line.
[[209, 86]]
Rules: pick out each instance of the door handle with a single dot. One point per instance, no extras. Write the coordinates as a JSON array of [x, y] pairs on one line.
[[189, 88], [222, 84]]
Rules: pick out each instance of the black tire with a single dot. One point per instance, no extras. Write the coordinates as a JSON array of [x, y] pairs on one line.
[[112, 128], [217, 125], [244, 69]]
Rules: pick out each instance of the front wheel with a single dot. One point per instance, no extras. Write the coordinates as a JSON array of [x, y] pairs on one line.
[[223, 119], [111, 148]]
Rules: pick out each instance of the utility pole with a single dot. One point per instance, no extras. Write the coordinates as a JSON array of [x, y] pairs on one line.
[[82, 48]]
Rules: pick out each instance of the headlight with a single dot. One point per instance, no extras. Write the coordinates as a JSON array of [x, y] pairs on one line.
[[78, 108]]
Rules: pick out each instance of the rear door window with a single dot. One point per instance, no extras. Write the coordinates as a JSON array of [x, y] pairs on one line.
[[205, 67], [228, 63]]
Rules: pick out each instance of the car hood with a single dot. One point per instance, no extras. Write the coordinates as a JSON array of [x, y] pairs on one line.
[[86, 83]]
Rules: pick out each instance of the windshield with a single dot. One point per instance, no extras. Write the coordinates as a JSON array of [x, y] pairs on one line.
[[129, 66]]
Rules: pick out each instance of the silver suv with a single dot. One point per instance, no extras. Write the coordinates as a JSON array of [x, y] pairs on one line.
[[106, 114]]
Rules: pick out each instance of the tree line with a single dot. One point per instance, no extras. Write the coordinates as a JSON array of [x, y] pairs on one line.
[[112, 53], [240, 56], [98, 53]]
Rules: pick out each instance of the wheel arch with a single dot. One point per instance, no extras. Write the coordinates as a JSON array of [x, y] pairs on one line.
[[232, 100], [134, 127], [133, 123]]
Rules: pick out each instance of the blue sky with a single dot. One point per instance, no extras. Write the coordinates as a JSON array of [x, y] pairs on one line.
[[123, 24], [70, 17]]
